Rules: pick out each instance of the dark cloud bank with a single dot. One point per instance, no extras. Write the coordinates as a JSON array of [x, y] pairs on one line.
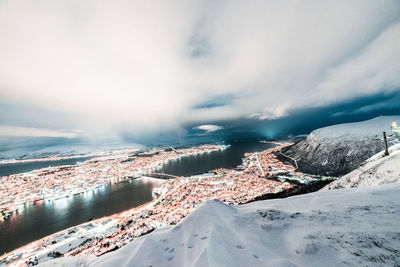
[[181, 71]]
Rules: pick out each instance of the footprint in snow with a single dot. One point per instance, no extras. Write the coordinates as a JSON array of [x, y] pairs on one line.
[[204, 237], [240, 247]]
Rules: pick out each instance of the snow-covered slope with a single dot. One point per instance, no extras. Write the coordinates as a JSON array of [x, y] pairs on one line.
[[349, 227], [336, 150], [374, 171]]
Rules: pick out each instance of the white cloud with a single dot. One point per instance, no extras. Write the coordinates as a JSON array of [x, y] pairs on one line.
[[208, 128], [375, 69], [141, 66], [34, 132]]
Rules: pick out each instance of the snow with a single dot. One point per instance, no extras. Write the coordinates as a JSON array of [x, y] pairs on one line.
[[356, 227], [370, 128], [339, 149], [374, 171]]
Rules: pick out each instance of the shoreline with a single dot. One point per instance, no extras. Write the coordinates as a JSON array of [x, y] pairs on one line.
[[119, 217], [58, 158], [5, 214], [6, 211], [112, 217], [229, 185]]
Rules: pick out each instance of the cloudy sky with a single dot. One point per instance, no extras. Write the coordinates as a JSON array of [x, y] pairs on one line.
[[133, 69]]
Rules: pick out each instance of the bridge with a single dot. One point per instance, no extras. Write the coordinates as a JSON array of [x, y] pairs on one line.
[[160, 175]]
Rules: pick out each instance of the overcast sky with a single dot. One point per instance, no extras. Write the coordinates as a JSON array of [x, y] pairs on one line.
[[97, 68]]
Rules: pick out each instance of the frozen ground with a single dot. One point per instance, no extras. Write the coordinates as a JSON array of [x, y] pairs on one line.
[[374, 171], [348, 227]]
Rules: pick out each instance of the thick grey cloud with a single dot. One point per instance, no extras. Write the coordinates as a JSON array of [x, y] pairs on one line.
[[145, 66], [33, 132]]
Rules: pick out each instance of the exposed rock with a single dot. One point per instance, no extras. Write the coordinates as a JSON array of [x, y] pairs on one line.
[[374, 171], [336, 150]]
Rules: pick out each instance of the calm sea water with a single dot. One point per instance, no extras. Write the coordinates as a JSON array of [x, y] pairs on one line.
[[201, 163], [44, 218]]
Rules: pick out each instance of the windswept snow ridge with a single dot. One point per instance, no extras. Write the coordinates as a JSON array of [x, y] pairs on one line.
[[374, 171], [336, 150], [350, 227]]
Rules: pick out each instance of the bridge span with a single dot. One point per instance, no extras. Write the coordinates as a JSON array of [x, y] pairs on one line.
[[160, 175]]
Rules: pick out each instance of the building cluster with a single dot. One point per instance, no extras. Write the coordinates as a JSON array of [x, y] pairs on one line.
[[268, 163], [57, 182], [176, 199], [181, 195]]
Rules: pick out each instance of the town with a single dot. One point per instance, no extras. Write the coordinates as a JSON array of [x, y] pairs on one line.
[[176, 198], [63, 181]]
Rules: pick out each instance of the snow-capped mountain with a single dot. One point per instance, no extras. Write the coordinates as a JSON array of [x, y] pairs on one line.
[[336, 150]]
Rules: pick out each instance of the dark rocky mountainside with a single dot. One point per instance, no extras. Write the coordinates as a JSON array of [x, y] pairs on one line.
[[336, 150]]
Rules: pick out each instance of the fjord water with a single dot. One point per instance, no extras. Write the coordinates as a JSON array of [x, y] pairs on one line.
[[47, 217], [201, 163], [43, 218]]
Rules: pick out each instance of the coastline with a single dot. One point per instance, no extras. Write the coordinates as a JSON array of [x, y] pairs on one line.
[[176, 199], [56, 158], [5, 213], [114, 218], [7, 210]]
